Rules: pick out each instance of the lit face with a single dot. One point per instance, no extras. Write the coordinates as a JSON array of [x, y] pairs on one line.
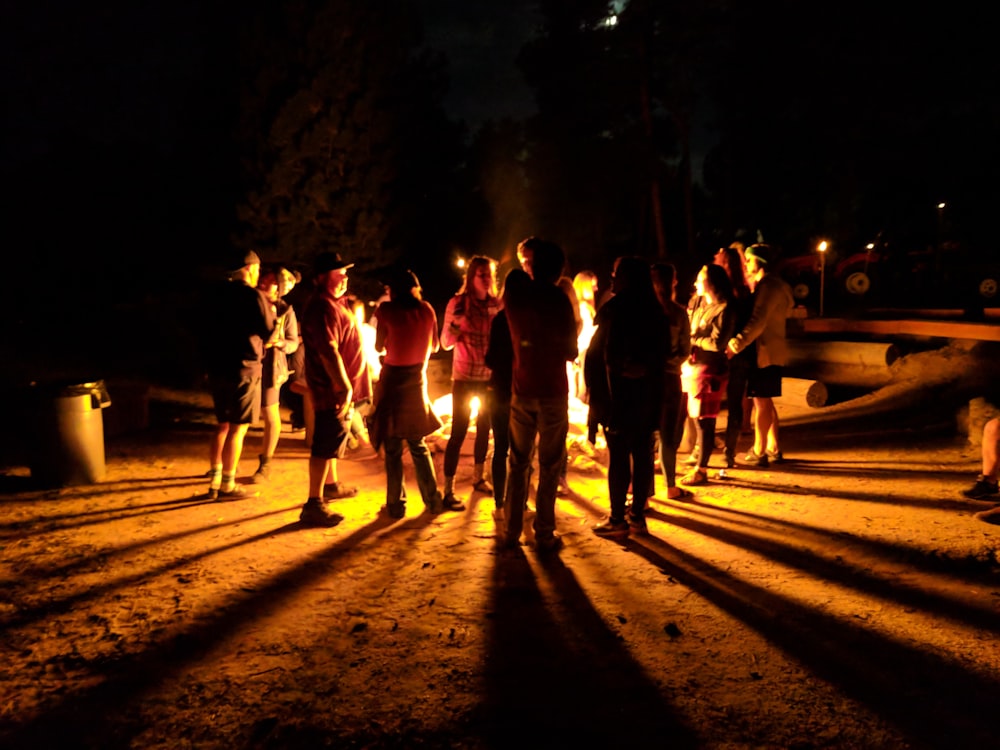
[[482, 281], [268, 284], [336, 283], [753, 265], [616, 284], [721, 259], [285, 284], [526, 256], [699, 282]]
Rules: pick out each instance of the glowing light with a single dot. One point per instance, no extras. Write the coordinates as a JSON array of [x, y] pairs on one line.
[[823, 246], [870, 246], [460, 263], [941, 206]]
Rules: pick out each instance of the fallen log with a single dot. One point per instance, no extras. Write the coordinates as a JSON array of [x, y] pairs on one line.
[[842, 363], [802, 392]]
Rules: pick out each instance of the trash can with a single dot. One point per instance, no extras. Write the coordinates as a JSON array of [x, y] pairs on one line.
[[68, 445]]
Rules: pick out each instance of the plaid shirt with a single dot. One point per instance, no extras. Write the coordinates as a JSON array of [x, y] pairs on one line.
[[467, 329]]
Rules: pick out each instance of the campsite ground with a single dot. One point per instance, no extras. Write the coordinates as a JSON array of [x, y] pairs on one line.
[[844, 598]]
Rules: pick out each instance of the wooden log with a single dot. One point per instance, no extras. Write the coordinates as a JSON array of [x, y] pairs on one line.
[[835, 374], [801, 392], [852, 353]]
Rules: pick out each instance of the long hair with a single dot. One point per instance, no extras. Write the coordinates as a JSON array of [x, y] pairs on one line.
[[717, 280], [734, 269], [477, 262]]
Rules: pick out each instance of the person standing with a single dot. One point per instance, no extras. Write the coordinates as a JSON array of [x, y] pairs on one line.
[[741, 364], [625, 364], [500, 360], [241, 320], [275, 283], [673, 408], [772, 302], [712, 325], [543, 335], [337, 375], [466, 329], [407, 332]]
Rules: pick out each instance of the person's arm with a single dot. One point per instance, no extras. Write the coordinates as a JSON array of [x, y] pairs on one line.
[[381, 330], [451, 331], [763, 306], [684, 334], [333, 363], [569, 332], [435, 339]]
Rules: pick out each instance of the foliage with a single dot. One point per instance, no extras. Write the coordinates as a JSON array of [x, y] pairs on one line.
[[343, 132]]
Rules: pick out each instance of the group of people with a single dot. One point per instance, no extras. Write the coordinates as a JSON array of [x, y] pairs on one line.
[[653, 364], [651, 367]]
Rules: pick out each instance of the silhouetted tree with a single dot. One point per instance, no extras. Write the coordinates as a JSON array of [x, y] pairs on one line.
[[347, 147]]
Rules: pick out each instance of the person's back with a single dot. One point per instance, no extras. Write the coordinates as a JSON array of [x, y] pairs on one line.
[[410, 332], [543, 335], [239, 322]]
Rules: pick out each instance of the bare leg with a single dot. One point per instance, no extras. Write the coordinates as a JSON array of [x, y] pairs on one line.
[[991, 446], [272, 429], [233, 448], [763, 421], [318, 469], [772, 433], [218, 440]]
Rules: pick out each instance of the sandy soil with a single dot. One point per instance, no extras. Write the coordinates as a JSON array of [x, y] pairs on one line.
[[845, 598]]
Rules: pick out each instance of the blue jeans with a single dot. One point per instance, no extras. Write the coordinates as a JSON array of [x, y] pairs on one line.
[[546, 418], [421, 455]]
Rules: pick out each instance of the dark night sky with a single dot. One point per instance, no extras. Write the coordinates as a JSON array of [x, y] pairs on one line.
[[124, 72], [482, 41]]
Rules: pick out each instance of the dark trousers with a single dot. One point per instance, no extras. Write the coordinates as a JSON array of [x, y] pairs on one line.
[[630, 461], [736, 389], [500, 422], [462, 392]]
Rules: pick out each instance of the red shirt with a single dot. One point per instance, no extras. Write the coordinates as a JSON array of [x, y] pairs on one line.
[[328, 328], [408, 334]]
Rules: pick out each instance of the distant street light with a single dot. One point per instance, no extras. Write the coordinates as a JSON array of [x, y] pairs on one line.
[[822, 273]]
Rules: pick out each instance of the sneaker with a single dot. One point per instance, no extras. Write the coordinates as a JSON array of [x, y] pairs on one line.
[[981, 489], [611, 528], [549, 544], [395, 510], [636, 524], [337, 491], [263, 474], [317, 512], [756, 459], [450, 502], [695, 458], [775, 457], [483, 486], [238, 492], [212, 494]]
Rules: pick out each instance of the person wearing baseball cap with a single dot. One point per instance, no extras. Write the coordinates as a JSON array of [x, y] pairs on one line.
[[240, 320], [338, 376]]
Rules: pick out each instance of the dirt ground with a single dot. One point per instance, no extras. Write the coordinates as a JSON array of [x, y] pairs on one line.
[[845, 598]]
